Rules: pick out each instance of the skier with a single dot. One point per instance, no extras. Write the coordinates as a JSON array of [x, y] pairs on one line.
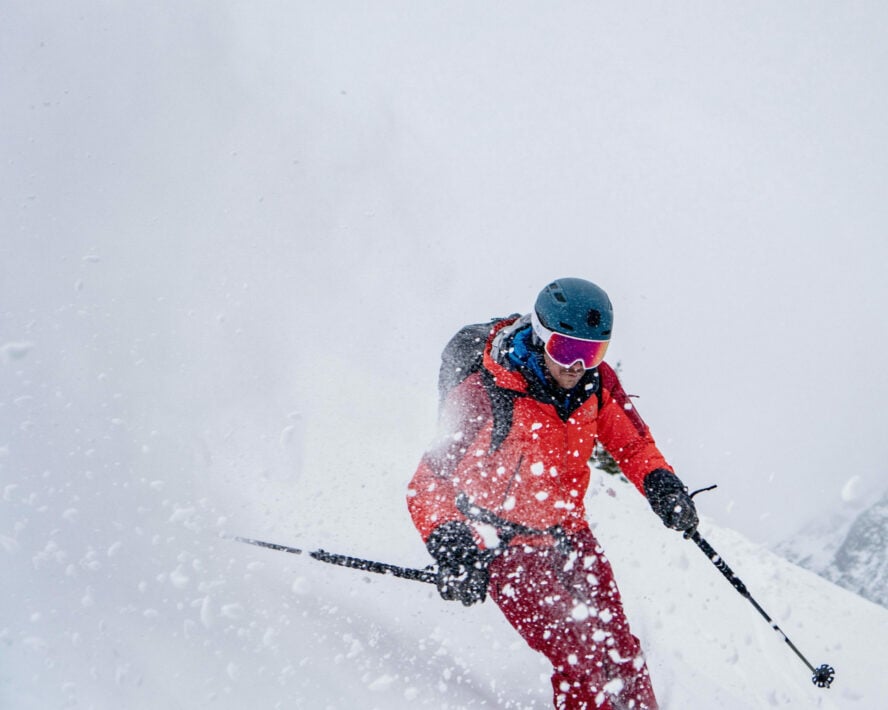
[[519, 421]]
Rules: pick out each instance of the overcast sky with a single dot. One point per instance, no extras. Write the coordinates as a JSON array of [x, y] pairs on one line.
[[247, 229]]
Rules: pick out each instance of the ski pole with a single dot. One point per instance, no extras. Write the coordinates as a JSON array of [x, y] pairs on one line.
[[823, 675], [419, 575]]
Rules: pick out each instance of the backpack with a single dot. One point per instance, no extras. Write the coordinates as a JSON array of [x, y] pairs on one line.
[[464, 354]]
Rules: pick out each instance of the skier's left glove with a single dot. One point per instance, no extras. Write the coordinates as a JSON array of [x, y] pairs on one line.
[[670, 500], [462, 569]]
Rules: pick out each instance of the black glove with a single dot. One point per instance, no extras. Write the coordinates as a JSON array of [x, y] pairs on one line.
[[462, 569], [669, 498]]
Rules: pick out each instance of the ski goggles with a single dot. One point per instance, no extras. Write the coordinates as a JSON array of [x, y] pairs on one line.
[[567, 350]]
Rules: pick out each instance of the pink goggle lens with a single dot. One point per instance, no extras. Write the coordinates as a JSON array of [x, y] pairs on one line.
[[566, 350]]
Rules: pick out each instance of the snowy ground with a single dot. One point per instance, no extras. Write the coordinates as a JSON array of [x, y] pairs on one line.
[[159, 610]]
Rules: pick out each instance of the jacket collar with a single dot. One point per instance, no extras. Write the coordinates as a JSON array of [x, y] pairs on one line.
[[516, 365]]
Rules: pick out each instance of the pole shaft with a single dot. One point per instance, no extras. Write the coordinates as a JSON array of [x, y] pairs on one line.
[[419, 575], [735, 581]]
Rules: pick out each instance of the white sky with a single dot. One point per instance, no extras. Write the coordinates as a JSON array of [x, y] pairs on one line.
[[217, 216]]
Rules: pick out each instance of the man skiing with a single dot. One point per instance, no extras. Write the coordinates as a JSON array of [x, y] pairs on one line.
[[499, 498]]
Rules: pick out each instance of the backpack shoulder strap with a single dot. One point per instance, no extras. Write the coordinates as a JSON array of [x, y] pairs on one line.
[[502, 404]]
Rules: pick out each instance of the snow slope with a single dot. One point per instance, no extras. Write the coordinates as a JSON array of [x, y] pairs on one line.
[[162, 611]]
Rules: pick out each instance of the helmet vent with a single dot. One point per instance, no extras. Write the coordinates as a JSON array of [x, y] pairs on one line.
[[558, 296], [594, 318], [565, 326]]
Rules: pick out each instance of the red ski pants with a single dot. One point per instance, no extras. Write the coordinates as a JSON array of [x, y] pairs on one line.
[[566, 606]]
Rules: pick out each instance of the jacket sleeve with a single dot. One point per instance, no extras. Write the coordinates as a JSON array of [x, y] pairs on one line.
[[622, 431], [432, 492]]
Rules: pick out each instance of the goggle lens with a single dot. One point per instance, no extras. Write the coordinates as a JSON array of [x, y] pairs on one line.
[[566, 350]]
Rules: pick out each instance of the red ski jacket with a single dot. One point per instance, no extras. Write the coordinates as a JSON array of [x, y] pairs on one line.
[[535, 473]]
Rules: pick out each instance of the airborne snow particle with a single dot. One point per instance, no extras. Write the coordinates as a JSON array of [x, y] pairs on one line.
[[15, 350], [381, 683], [851, 489], [231, 611], [580, 612], [178, 578], [614, 686], [206, 615]]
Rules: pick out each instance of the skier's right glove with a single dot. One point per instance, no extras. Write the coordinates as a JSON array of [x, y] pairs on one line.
[[462, 569], [670, 500]]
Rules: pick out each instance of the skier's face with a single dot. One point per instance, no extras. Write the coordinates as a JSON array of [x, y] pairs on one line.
[[566, 377]]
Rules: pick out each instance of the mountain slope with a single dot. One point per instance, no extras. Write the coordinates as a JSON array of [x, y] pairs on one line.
[[850, 550], [861, 563]]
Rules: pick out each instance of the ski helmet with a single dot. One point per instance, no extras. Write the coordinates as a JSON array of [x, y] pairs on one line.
[[577, 308]]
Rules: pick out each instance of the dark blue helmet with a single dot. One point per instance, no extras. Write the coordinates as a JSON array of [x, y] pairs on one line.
[[575, 307]]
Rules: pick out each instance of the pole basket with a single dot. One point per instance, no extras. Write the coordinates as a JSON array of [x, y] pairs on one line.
[[824, 676]]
